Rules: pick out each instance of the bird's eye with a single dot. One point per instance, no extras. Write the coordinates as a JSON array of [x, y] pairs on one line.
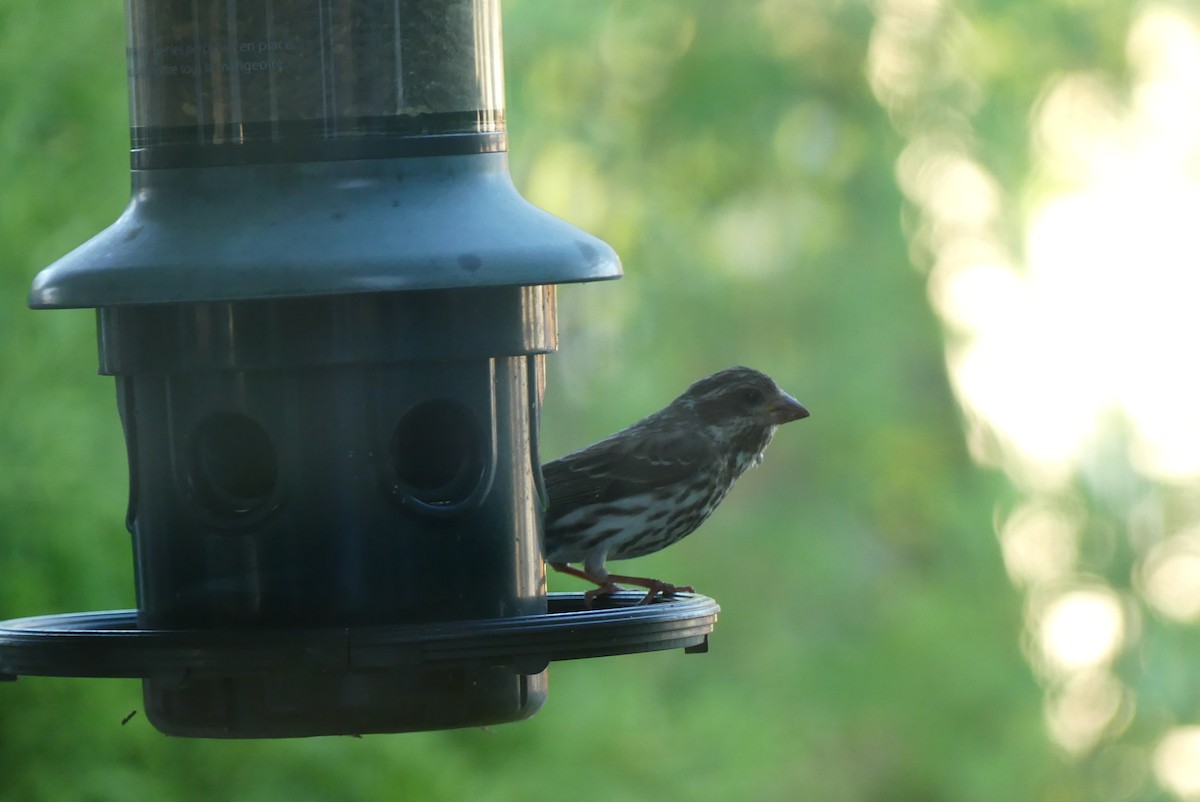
[[750, 396]]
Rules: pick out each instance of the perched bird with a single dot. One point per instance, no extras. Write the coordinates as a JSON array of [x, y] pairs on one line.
[[654, 482]]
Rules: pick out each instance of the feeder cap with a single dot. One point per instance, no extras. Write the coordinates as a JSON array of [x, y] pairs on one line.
[[295, 230]]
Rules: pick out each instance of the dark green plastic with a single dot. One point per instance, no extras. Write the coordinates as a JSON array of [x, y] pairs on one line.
[[326, 308], [297, 230]]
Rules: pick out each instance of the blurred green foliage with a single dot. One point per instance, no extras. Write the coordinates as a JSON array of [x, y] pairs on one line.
[[733, 153]]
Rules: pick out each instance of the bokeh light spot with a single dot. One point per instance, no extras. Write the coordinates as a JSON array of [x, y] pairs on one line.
[[1177, 762], [1081, 629]]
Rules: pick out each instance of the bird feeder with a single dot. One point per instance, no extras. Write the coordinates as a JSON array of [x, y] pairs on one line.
[[326, 309]]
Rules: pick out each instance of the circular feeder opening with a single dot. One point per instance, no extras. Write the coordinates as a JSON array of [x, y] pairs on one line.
[[233, 467], [437, 453]]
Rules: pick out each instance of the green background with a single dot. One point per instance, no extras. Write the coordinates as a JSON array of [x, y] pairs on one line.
[[870, 644]]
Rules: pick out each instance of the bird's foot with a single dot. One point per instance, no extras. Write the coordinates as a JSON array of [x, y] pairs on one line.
[[603, 589], [654, 587], [608, 585]]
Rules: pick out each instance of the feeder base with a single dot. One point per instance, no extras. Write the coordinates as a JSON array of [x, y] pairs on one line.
[[352, 680], [360, 703]]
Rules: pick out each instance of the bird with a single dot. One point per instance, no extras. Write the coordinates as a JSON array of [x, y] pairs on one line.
[[654, 482]]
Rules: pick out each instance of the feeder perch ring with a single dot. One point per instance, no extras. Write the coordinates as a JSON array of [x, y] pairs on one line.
[[111, 644]]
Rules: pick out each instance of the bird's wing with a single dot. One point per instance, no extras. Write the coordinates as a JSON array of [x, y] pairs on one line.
[[622, 467]]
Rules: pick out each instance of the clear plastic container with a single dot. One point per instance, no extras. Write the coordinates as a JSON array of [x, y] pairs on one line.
[[305, 73]]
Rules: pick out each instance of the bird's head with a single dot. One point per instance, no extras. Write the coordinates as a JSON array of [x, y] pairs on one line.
[[739, 399]]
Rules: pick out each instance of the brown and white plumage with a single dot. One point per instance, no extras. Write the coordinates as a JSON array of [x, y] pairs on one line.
[[654, 482]]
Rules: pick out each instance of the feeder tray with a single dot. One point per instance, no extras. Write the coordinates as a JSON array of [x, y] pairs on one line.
[[111, 644], [242, 683]]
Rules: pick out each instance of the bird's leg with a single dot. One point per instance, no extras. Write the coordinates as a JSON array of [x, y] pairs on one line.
[[608, 585], [577, 572], [604, 587], [654, 587]]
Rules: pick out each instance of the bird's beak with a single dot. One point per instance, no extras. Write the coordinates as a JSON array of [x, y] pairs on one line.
[[784, 409]]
